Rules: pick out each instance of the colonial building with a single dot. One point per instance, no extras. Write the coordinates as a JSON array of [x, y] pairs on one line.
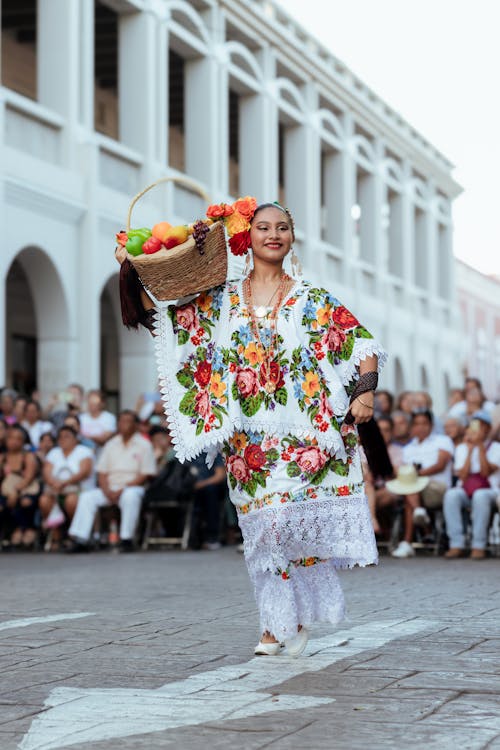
[[479, 300], [99, 99]]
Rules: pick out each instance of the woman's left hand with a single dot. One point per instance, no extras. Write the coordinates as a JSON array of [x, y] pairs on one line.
[[362, 407]]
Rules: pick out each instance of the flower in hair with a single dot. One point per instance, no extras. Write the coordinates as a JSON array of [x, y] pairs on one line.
[[236, 218]]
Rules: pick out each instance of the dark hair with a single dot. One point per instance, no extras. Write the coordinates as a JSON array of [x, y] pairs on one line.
[[34, 402], [285, 210], [385, 418], [476, 382], [422, 413], [19, 428], [130, 413], [158, 429], [389, 397], [72, 416], [45, 434], [67, 428], [78, 387]]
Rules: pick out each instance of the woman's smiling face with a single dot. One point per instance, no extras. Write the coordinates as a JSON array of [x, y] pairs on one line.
[[270, 235]]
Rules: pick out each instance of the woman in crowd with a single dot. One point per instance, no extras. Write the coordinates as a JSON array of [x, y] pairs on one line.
[[33, 423], [266, 369], [67, 470], [19, 488]]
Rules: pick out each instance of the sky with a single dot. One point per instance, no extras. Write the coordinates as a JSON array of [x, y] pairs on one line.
[[436, 62]]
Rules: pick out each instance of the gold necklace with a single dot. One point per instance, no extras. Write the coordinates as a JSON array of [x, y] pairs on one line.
[[272, 349]]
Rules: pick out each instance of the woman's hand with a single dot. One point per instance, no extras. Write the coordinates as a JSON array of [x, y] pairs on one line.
[[362, 407], [121, 254]]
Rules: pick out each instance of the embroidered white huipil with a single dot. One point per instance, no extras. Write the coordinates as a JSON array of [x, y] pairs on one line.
[[293, 467]]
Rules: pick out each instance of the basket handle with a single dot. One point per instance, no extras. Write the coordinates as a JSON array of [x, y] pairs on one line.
[[181, 180]]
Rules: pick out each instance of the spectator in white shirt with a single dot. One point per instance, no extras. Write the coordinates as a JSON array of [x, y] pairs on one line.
[[431, 454], [33, 423], [477, 464], [126, 463], [67, 470], [474, 401], [97, 423]]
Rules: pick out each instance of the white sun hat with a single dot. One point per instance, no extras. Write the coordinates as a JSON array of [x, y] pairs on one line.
[[407, 481]]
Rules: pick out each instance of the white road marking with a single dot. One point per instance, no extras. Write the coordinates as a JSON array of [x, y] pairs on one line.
[[25, 621], [76, 715]]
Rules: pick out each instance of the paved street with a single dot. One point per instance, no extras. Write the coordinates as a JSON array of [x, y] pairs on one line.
[[155, 650]]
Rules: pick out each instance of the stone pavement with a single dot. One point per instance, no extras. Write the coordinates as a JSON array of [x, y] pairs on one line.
[[159, 653]]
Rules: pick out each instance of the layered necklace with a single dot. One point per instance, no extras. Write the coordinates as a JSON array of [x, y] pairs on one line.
[[260, 312]]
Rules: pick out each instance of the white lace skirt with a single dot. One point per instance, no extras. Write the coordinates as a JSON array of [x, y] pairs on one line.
[[309, 517]]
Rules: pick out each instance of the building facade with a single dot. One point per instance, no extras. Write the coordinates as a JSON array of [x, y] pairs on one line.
[[99, 98], [479, 300]]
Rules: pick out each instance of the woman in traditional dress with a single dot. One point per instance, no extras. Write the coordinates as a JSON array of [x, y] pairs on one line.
[[265, 370]]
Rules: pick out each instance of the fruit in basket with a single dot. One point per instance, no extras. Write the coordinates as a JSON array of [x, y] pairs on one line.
[[160, 229], [134, 245], [144, 233], [122, 238], [175, 236], [152, 245]]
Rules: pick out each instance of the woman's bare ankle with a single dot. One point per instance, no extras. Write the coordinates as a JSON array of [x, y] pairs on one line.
[[268, 638]]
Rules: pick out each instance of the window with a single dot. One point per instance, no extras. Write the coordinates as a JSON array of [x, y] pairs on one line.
[[176, 110], [19, 32], [234, 143], [106, 70]]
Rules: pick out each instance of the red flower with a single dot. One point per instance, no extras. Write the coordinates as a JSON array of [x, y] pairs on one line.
[[122, 238], [291, 301], [202, 404], [254, 457], [334, 338], [238, 468], [285, 575], [246, 382], [240, 242], [310, 459], [186, 317], [344, 318], [232, 367], [203, 373], [344, 490], [275, 375], [219, 210]]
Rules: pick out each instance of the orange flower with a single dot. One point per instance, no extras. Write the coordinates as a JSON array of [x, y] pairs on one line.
[[253, 353], [236, 223], [204, 301], [245, 206], [323, 315], [309, 561], [234, 299], [239, 441], [217, 387], [219, 211], [310, 386]]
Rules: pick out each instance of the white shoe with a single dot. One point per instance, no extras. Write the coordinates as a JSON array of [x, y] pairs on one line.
[[55, 518], [296, 645], [421, 517], [267, 649], [404, 549]]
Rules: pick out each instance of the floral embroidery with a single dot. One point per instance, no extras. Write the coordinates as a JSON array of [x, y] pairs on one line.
[[246, 360], [203, 375], [311, 391], [195, 320], [331, 328], [249, 461], [234, 299], [308, 462], [301, 496], [303, 562]]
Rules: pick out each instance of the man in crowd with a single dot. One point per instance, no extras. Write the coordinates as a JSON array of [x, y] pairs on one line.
[[477, 465], [431, 454], [401, 422], [97, 424], [126, 463]]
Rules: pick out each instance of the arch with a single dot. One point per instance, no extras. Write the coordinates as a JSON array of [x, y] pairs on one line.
[[424, 378], [363, 148], [180, 11], [399, 377], [291, 94], [393, 170], [331, 123], [43, 334], [419, 189], [236, 50]]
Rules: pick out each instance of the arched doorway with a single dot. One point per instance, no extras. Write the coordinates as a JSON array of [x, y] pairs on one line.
[[37, 347], [128, 365]]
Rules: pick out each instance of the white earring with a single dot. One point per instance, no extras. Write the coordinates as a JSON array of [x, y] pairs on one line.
[[248, 264], [296, 266]]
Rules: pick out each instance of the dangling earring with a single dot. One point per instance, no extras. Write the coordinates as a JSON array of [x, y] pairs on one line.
[[296, 266], [248, 265]]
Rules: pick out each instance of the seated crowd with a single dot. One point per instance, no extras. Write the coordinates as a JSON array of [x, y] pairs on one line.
[[59, 466]]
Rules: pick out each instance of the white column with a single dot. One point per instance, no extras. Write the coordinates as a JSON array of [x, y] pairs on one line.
[[202, 120], [86, 67], [58, 45], [407, 229], [137, 76], [259, 145], [347, 198], [3, 327], [378, 192], [432, 247]]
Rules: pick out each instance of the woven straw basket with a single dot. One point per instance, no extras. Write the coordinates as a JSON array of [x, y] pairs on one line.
[[181, 271]]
